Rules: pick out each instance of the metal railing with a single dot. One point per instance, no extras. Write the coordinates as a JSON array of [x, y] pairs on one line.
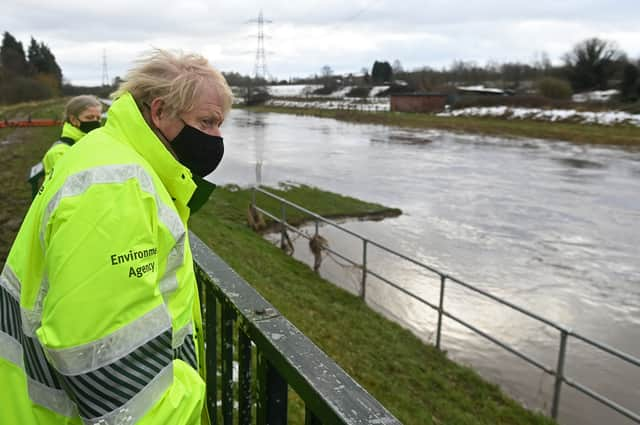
[[564, 333], [271, 355]]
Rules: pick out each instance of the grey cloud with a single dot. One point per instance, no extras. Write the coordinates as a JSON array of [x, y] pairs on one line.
[[418, 33]]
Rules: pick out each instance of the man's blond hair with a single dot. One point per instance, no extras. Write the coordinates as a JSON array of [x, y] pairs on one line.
[[176, 78]]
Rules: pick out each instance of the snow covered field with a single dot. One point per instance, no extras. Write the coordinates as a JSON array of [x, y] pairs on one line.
[[350, 103], [293, 90], [605, 118], [306, 90], [372, 103], [309, 100]]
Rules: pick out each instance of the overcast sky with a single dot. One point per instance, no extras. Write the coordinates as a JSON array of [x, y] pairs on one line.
[[305, 35]]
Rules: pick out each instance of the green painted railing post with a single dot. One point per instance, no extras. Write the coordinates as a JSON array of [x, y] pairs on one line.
[[283, 228], [559, 374], [363, 287], [443, 279], [244, 378]]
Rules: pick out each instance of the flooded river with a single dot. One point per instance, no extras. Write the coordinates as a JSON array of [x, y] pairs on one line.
[[550, 226]]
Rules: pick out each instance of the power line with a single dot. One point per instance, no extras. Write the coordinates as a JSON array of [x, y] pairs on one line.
[[355, 15]]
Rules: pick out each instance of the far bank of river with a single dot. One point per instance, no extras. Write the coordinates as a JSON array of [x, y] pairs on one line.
[[625, 135]]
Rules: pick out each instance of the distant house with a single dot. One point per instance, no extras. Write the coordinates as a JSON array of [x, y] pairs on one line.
[[418, 102]]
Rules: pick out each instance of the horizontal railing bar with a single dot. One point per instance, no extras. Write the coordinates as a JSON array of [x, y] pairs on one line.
[[352, 233], [401, 289], [507, 303], [620, 354], [289, 226], [501, 344], [418, 263], [268, 214], [353, 263], [409, 259], [594, 395], [306, 211]]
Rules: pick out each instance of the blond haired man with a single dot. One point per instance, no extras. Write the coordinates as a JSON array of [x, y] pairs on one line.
[[100, 315]]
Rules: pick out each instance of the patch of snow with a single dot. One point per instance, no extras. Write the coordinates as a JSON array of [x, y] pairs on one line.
[[595, 96], [377, 89], [347, 103], [341, 92], [293, 90], [604, 118], [480, 88]]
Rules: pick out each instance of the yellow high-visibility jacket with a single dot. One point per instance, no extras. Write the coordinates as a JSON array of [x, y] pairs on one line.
[[99, 311], [69, 136]]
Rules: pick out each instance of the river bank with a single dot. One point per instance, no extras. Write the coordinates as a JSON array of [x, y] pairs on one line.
[[622, 135]]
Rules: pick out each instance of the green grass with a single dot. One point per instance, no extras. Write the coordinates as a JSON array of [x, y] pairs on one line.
[[416, 382], [332, 205], [51, 109], [19, 150], [628, 135]]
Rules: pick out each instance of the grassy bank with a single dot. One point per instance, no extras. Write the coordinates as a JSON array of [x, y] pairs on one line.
[[414, 381], [19, 150], [579, 133], [50, 109]]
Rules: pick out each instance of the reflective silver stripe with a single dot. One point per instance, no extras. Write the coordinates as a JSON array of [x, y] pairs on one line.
[[168, 283], [99, 353], [134, 409], [78, 183], [171, 219], [31, 317], [11, 350], [55, 400], [175, 259], [10, 281], [38, 168], [180, 334]]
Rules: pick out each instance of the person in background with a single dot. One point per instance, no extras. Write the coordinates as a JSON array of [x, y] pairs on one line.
[[81, 115], [98, 297]]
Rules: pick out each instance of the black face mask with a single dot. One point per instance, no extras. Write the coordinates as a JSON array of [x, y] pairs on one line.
[[87, 126], [198, 151]]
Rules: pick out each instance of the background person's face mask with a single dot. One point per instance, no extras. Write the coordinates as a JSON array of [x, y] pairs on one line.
[[87, 126]]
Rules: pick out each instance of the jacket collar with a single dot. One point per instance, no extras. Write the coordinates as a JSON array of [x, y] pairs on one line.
[[71, 132], [125, 118]]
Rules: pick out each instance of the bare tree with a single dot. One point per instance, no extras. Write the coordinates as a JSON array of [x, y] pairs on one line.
[[397, 67], [591, 63]]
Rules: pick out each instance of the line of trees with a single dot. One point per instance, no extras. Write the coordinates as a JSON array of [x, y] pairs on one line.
[[31, 76], [592, 64]]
